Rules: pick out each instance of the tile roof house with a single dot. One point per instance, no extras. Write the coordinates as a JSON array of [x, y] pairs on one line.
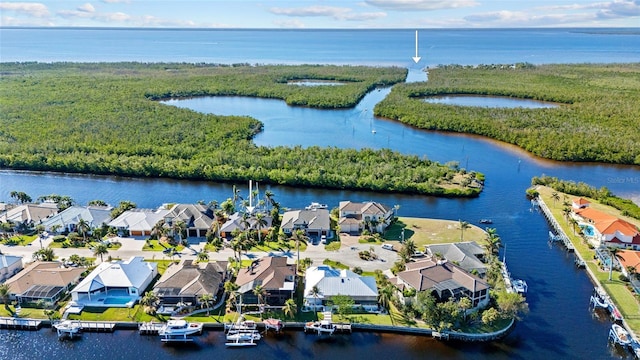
[[629, 259], [237, 222], [123, 280], [355, 217], [580, 203], [610, 230], [188, 280], [275, 276], [43, 281], [314, 222], [445, 280], [9, 266], [198, 218], [29, 214], [67, 220], [467, 255], [138, 222], [331, 282]]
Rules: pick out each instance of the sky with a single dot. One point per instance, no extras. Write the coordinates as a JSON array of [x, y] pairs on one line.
[[322, 14]]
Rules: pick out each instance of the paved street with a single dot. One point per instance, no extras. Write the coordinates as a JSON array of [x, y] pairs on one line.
[[348, 253]]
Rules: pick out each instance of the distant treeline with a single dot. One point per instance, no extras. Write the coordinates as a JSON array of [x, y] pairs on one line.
[[598, 118], [603, 195], [102, 119]]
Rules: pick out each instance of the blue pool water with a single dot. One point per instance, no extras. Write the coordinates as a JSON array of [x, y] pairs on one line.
[[587, 229], [117, 300]]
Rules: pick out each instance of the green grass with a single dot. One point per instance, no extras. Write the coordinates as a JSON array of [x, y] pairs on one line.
[[26, 313], [333, 246], [135, 314], [432, 231], [335, 264], [155, 245]]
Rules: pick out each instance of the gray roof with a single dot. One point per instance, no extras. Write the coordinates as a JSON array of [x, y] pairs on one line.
[[315, 219], [464, 254], [427, 274], [195, 216], [191, 279], [94, 215]]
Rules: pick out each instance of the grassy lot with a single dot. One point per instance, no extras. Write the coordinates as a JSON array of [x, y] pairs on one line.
[[335, 264], [21, 239], [623, 297], [333, 246], [116, 314], [27, 313], [155, 245], [432, 231]]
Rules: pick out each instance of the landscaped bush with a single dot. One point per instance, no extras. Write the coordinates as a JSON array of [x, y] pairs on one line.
[[59, 238]]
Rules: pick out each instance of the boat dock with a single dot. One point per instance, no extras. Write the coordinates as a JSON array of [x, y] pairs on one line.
[[149, 328], [18, 323], [97, 326]]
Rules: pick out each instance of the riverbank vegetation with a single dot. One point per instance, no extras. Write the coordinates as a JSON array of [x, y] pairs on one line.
[[103, 119], [597, 119], [618, 287]]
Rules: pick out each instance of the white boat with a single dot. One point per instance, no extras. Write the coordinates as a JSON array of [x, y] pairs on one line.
[[323, 327], [67, 328], [176, 329], [520, 286], [621, 336], [243, 335], [315, 205], [275, 324], [241, 325]]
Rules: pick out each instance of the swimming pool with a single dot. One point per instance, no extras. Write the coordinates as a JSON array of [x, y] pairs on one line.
[[587, 229], [117, 300]]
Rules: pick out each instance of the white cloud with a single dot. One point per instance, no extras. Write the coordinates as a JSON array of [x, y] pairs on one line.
[[30, 9], [420, 5], [337, 13], [86, 8], [290, 24], [524, 19], [116, 1]]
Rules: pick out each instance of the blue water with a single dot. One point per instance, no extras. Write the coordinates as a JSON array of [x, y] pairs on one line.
[[488, 101], [559, 325], [587, 229]]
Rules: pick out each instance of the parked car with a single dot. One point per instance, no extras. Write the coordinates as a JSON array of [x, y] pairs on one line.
[[417, 254], [323, 239], [387, 247]]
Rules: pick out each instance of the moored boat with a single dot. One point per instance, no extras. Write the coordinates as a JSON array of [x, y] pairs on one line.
[[520, 286], [323, 327], [275, 324], [620, 335], [67, 328], [179, 330]]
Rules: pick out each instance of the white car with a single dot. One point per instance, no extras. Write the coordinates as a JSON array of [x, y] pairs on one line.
[[323, 239], [387, 247], [417, 254]]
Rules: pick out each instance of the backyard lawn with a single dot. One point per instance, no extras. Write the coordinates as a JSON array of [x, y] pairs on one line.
[[432, 231]]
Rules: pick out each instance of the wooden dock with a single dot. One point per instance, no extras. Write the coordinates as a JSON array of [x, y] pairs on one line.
[[561, 236], [149, 328], [18, 323], [97, 326]]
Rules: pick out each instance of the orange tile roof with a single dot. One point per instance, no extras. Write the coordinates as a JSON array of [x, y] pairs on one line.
[[581, 201], [629, 258]]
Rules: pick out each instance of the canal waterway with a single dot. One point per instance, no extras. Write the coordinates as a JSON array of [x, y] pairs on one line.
[[559, 324]]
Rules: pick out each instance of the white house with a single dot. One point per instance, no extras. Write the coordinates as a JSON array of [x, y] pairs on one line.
[[115, 284], [355, 216], [68, 219], [138, 222], [331, 282], [314, 222], [9, 266]]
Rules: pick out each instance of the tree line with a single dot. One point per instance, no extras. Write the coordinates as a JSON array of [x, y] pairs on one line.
[[597, 118], [102, 119]]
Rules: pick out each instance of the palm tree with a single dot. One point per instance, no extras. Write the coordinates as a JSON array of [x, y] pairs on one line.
[[299, 236], [206, 300], [565, 212], [493, 243], [463, 226], [315, 292], [231, 288], [179, 228], [290, 308], [203, 256], [260, 223], [555, 197], [236, 196], [5, 293], [573, 223], [268, 195], [613, 257], [150, 302], [44, 254], [159, 230], [261, 293], [100, 249], [83, 228], [386, 295]]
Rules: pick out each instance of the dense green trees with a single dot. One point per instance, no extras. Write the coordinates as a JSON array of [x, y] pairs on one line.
[[101, 119], [597, 120]]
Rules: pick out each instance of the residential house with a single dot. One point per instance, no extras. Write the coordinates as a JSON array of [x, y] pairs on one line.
[[241, 222], [445, 280], [314, 222], [468, 255], [607, 230], [331, 282], [9, 266], [629, 262], [355, 217], [273, 274], [197, 218], [29, 214], [46, 281], [188, 280], [138, 222], [116, 283], [68, 219], [580, 203]]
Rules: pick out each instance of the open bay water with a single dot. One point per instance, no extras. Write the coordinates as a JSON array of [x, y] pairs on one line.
[[559, 325]]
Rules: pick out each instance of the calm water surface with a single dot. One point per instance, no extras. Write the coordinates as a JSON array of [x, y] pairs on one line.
[[489, 101], [559, 326]]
